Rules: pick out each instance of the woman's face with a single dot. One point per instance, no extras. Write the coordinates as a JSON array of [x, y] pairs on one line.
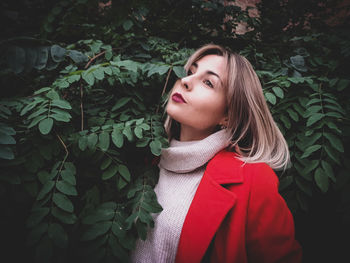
[[198, 101]]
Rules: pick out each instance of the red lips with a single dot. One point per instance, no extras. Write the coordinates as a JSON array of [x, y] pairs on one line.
[[177, 97]]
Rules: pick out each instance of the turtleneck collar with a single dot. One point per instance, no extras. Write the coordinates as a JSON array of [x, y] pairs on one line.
[[184, 157]]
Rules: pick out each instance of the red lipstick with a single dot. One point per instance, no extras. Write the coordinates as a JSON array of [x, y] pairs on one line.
[[177, 97]]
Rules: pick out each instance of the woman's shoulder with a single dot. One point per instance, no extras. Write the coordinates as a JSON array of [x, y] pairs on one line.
[[256, 172]]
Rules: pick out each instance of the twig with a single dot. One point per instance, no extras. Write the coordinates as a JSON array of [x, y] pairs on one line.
[[64, 145], [95, 57], [166, 81], [165, 85], [92, 59]]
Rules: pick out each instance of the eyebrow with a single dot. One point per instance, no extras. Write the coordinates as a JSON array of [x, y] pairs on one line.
[[208, 72]]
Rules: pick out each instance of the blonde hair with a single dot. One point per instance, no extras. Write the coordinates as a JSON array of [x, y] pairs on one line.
[[250, 122]]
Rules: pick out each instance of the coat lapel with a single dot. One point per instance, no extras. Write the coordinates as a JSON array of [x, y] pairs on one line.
[[209, 206]]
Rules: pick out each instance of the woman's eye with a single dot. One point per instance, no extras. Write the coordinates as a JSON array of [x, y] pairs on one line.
[[189, 72], [207, 82]]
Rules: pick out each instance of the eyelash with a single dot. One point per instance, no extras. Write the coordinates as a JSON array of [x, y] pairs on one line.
[[206, 82]]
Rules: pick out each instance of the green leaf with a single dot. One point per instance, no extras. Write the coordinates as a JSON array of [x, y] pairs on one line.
[[293, 114], [106, 162], [36, 120], [142, 142], [314, 118], [110, 172], [44, 176], [179, 71], [43, 55], [92, 140], [16, 58], [121, 183], [312, 101], [285, 182], [58, 235], [96, 230], [328, 170], [120, 103], [117, 229], [118, 250], [151, 208], [70, 167], [310, 140], [64, 217], [332, 126], [138, 132], [311, 165], [128, 64], [101, 214], [6, 139], [37, 113], [127, 24], [68, 177], [285, 121], [128, 133], [270, 98], [117, 138], [99, 73], [73, 78], [61, 117], [104, 141], [66, 188], [334, 141], [342, 84], [77, 56], [37, 215], [61, 104], [45, 126], [83, 143], [6, 153], [278, 92], [159, 69], [321, 180], [124, 172], [141, 229], [63, 202], [53, 95], [332, 154], [156, 147], [310, 150], [58, 53], [47, 187], [42, 90], [108, 70], [334, 114], [88, 77]]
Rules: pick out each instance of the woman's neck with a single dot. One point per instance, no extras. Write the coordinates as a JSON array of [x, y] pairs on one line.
[[188, 133]]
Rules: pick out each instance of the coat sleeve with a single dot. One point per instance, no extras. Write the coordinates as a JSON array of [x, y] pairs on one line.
[[270, 226]]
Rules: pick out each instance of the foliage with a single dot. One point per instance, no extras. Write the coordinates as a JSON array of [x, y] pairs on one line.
[[81, 119]]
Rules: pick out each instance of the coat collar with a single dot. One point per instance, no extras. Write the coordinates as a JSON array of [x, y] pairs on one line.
[[209, 207]]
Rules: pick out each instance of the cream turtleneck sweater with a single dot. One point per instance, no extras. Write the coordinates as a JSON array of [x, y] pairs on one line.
[[181, 168]]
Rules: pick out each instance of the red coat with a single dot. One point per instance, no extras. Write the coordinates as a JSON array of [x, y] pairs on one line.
[[239, 208]]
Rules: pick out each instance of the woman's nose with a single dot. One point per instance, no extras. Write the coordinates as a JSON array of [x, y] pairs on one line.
[[186, 82]]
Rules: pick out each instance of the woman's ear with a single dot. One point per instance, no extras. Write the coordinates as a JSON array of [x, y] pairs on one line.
[[224, 122]]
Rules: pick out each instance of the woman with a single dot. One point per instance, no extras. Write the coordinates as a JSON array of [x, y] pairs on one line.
[[218, 192]]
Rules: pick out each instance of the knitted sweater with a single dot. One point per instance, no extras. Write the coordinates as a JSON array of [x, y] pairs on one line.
[[181, 168]]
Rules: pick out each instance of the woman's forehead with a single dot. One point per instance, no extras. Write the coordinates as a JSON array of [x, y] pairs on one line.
[[214, 63]]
